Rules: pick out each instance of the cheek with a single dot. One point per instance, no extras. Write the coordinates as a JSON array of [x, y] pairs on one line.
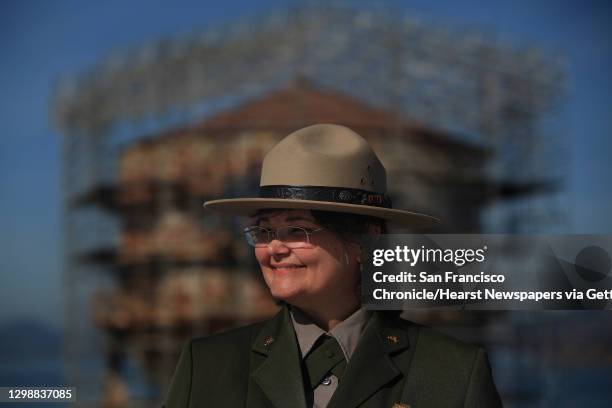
[[330, 255], [328, 269], [262, 256], [338, 267]]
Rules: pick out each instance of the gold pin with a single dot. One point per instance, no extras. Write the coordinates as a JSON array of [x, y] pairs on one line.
[[268, 340], [400, 405], [392, 339]]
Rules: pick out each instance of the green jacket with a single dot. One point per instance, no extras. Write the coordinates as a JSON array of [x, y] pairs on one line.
[[397, 364]]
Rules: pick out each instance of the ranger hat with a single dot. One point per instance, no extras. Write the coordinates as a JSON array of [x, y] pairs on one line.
[[323, 167]]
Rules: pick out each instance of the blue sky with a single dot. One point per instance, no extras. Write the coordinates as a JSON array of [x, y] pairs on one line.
[[41, 40]]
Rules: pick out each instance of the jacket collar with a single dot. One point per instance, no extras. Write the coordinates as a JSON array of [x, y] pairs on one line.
[[279, 375], [380, 358], [382, 355]]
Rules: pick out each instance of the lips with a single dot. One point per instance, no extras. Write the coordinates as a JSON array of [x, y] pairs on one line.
[[287, 266]]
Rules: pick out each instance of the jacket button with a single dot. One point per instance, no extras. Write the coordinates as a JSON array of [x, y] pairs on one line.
[[326, 381]]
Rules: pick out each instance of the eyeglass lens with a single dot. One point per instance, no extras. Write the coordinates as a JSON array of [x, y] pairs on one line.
[[295, 237]]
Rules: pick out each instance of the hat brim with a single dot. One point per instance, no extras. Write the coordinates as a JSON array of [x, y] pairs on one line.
[[250, 206]]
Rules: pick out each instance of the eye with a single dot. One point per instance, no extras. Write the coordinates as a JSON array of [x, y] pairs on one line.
[[295, 231], [257, 236], [310, 229]]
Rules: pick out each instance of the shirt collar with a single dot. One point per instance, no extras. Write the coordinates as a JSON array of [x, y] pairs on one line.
[[347, 332]]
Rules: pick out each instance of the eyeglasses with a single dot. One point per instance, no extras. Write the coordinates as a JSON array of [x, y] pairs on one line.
[[292, 236]]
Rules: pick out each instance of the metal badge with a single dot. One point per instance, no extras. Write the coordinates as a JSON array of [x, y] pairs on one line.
[[268, 340], [393, 339]]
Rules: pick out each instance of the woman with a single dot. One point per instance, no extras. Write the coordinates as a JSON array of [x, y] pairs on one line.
[[321, 188]]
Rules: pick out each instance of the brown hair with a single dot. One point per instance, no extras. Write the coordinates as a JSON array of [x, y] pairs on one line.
[[347, 226]]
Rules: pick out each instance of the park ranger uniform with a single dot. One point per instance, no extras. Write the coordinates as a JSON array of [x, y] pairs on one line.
[[395, 363]]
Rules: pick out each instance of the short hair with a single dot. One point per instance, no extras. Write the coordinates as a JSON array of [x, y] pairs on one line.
[[347, 225]]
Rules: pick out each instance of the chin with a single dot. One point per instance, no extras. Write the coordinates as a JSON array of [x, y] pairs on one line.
[[293, 295], [288, 295]]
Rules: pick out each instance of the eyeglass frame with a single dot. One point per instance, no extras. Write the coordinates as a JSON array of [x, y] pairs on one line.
[[274, 232]]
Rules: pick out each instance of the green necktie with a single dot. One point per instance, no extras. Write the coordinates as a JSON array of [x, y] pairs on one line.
[[324, 358]]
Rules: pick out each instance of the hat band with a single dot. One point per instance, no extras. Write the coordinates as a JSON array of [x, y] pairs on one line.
[[332, 194]]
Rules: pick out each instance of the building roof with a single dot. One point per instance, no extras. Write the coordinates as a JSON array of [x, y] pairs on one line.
[[301, 104]]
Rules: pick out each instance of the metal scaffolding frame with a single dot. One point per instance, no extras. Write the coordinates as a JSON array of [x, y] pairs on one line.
[[496, 95]]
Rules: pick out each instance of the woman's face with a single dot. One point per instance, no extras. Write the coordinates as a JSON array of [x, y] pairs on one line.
[[325, 273]]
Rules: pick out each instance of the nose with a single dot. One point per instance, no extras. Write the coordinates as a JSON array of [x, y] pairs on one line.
[[276, 247]]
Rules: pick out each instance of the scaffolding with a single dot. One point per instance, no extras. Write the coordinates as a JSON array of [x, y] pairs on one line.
[[478, 109]]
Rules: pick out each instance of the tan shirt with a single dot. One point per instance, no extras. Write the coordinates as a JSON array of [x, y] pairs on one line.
[[347, 333]]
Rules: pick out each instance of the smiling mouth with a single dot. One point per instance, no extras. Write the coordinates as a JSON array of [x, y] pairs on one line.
[[287, 267]]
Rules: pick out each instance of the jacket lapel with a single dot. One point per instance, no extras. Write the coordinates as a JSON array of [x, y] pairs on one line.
[[372, 365], [279, 374]]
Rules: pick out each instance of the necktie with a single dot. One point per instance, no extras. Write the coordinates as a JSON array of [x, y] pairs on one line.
[[325, 357]]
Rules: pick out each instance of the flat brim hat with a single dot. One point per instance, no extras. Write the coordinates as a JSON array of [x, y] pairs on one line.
[[323, 167]]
